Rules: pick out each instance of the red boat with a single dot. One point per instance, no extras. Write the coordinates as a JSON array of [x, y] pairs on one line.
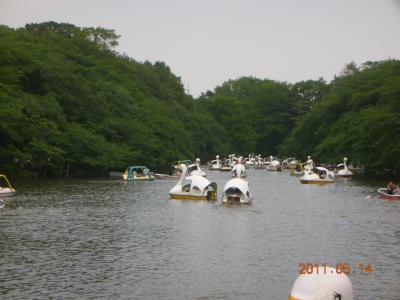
[[383, 194]]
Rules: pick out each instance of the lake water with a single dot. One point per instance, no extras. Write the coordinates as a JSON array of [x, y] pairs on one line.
[[93, 239]]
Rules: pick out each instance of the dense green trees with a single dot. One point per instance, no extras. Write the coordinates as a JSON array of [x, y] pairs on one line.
[[69, 102], [257, 114], [359, 117]]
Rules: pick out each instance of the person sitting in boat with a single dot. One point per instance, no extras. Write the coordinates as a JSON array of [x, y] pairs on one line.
[[396, 191], [392, 188]]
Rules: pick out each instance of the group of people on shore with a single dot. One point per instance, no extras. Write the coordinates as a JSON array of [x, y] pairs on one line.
[[393, 188]]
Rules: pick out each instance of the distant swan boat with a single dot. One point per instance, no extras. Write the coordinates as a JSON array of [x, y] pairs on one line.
[[195, 169], [215, 164], [134, 173], [274, 165], [341, 170], [8, 190]]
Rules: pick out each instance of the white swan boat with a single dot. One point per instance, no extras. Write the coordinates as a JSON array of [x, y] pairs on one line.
[[323, 176], [239, 170], [236, 191], [6, 189], [226, 165], [195, 169], [215, 164], [341, 170], [249, 161], [274, 165], [194, 187], [289, 163], [259, 162]]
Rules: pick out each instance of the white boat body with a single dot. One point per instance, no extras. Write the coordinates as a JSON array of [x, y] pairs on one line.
[[236, 191], [165, 176], [4, 192], [345, 173]]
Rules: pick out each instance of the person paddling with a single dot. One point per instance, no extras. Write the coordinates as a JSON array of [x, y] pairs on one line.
[[391, 187]]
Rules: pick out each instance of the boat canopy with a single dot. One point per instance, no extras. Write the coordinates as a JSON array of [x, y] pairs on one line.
[[323, 169], [144, 169], [200, 182], [237, 183]]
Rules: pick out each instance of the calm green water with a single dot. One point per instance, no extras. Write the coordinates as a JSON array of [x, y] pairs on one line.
[[93, 239]]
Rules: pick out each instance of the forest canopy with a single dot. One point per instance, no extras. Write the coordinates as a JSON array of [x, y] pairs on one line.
[[68, 101]]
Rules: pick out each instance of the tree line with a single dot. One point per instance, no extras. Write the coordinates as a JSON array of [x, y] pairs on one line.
[[70, 103]]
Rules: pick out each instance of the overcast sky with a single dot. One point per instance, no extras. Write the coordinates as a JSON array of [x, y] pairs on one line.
[[207, 42]]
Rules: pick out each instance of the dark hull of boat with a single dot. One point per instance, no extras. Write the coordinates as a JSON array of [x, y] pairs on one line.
[[384, 195]]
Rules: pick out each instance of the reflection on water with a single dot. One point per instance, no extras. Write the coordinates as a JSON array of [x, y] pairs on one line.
[[113, 239]]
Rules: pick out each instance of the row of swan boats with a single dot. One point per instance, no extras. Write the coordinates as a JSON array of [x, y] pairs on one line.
[[236, 190], [308, 172], [257, 162], [193, 185], [200, 188]]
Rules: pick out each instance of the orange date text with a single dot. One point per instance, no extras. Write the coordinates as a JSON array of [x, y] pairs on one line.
[[339, 268]]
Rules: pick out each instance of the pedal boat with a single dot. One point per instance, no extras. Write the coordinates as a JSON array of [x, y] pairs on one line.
[[383, 194], [259, 162], [274, 165], [195, 169], [134, 173], [215, 164], [236, 191], [226, 166], [311, 177], [7, 190], [239, 171], [196, 188], [341, 170]]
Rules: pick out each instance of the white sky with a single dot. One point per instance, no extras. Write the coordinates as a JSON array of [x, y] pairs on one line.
[[207, 42]]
